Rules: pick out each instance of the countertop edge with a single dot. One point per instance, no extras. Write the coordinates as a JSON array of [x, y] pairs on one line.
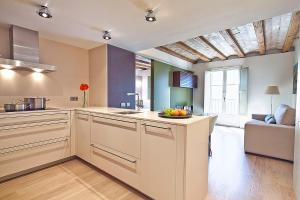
[[141, 116]]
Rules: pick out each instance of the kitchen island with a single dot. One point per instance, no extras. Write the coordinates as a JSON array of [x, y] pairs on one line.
[[163, 158], [166, 159]]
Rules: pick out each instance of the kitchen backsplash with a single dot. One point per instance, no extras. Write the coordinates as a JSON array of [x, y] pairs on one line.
[[54, 101]]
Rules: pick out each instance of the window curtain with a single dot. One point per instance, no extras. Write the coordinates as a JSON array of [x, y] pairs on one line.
[[207, 92], [244, 91]]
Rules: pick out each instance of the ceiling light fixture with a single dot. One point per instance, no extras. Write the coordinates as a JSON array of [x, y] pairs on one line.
[[150, 17], [38, 70], [107, 35], [44, 12]]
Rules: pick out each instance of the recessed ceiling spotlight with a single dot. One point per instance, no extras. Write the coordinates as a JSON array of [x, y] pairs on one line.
[[44, 12], [150, 17], [106, 35]]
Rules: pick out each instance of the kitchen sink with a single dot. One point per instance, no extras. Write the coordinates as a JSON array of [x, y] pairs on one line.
[[127, 112]]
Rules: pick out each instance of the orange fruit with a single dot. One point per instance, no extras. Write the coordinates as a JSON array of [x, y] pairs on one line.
[[175, 113], [183, 113]]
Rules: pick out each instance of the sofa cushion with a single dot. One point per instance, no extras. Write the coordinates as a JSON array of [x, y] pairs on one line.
[[269, 119], [280, 112], [256, 122], [290, 117]]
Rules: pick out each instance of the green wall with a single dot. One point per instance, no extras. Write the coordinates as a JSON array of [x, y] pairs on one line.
[[181, 96], [164, 95]]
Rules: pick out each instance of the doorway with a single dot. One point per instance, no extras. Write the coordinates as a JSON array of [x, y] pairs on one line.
[[224, 95], [143, 81]]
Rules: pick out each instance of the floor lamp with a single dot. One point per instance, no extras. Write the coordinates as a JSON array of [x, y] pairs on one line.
[[272, 90]]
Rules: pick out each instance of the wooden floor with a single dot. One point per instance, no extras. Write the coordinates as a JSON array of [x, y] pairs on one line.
[[232, 176]]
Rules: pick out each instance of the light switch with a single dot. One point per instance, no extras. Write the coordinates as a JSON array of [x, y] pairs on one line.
[[123, 104], [73, 98]]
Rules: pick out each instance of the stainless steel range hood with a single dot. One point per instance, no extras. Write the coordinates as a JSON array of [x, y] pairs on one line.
[[24, 51]]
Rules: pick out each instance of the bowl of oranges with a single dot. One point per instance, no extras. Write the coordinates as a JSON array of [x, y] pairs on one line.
[[175, 113]]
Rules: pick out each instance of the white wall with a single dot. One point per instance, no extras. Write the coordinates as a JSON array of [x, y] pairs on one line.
[[98, 76], [274, 69], [198, 93]]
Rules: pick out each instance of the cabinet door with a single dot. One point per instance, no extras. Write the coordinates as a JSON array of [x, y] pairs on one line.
[[158, 160], [83, 138], [118, 133]]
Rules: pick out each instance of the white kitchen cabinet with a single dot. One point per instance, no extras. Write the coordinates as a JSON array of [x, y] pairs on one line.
[[174, 160], [28, 140], [118, 133], [158, 160], [83, 135], [164, 159], [115, 147]]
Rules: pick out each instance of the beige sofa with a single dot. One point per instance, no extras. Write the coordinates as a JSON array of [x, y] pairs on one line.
[[273, 140]]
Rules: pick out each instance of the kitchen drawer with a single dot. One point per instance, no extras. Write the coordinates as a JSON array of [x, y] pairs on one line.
[[29, 117], [118, 133], [117, 164], [14, 135], [30, 155]]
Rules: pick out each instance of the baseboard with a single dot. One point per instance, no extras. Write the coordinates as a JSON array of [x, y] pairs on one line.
[[229, 126], [34, 169], [260, 155]]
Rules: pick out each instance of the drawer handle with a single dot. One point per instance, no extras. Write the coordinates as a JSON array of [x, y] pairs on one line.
[[131, 125], [165, 132], [166, 128], [113, 119], [31, 145], [32, 125], [34, 115], [129, 160]]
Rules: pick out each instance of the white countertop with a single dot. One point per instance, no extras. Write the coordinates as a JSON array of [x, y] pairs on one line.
[[144, 115]]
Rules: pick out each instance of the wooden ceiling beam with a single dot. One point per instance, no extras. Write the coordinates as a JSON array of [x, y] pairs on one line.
[[220, 54], [229, 37], [189, 49], [143, 64], [143, 61], [142, 67], [292, 32], [259, 28], [173, 53]]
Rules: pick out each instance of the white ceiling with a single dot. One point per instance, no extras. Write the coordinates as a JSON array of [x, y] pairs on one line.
[[80, 22], [166, 58]]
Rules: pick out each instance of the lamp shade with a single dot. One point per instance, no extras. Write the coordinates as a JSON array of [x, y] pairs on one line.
[[273, 90]]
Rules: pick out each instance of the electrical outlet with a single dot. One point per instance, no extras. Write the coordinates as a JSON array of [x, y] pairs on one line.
[[73, 98], [123, 105], [128, 104]]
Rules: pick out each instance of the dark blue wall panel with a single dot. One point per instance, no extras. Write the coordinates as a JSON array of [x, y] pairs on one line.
[[121, 76]]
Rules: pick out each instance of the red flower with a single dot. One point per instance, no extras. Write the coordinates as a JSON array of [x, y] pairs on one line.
[[84, 87]]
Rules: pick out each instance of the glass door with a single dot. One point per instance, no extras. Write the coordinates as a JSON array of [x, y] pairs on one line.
[[231, 93], [222, 95], [217, 92]]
